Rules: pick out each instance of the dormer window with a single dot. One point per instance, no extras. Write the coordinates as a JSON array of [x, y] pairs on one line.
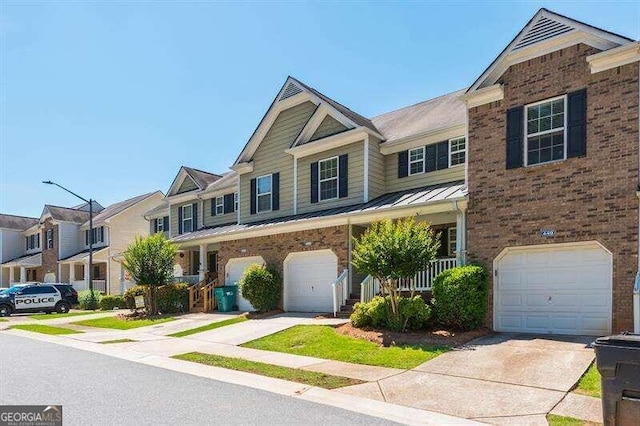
[[264, 187]]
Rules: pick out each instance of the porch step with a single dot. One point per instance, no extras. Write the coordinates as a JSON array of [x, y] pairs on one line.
[[352, 301]]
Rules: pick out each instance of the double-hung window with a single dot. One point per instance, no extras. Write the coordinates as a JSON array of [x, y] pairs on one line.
[[452, 241], [328, 178], [457, 151], [545, 125], [49, 235], [187, 218], [235, 201], [263, 193], [416, 160], [219, 205], [160, 224]]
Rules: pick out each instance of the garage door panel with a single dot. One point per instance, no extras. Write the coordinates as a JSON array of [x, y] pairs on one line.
[[550, 289], [308, 279]]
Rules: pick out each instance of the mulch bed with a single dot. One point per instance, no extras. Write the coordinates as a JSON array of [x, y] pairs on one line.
[[431, 337], [262, 315]]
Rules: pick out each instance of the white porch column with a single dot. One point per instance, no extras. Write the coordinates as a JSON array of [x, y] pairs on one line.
[[72, 273], [23, 274], [85, 269], [203, 261], [12, 273], [461, 236]]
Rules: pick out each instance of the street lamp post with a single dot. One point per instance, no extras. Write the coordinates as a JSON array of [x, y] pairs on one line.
[[90, 201]]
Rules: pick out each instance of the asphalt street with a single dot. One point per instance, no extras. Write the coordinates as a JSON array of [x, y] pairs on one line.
[[96, 389]]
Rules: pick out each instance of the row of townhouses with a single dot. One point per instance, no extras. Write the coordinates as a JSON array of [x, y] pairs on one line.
[[55, 246], [532, 171]]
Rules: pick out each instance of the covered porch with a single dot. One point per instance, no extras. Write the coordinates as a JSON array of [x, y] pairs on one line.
[[197, 265], [21, 270], [74, 270]]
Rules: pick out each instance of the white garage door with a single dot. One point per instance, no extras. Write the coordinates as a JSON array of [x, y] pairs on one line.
[[307, 281], [233, 272], [556, 288]]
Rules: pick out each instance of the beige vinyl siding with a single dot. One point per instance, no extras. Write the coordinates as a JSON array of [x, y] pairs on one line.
[[329, 126], [220, 219], [377, 186], [394, 183], [187, 185], [356, 178], [173, 217], [270, 158]]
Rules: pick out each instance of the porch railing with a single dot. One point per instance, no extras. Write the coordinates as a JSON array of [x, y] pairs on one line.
[[420, 282], [98, 285], [340, 290], [201, 296], [189, 279]]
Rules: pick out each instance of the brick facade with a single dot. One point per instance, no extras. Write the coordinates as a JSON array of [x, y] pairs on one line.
[[275, 248], [50, 256], [582, 199]]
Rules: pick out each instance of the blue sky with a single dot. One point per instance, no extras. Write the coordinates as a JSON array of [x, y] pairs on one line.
[[109, 99]]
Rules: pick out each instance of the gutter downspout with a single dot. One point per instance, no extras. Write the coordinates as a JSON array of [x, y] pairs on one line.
[[636, 305], [461, 234]]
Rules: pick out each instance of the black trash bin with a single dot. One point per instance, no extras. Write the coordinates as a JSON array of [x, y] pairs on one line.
[[618, 360]]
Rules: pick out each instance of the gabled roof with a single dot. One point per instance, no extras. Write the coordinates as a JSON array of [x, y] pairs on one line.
[[553, 32], [20, 223], [116, 208], [199, 177], [97, 207], [293, 93], [438, 113], [161, 209], [66, 214], [229, 179]]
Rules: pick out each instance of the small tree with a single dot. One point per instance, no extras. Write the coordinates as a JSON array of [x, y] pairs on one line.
[[150, 261], [390, 251]]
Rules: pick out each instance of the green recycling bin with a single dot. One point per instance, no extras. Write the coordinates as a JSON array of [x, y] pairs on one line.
[[226, 298]]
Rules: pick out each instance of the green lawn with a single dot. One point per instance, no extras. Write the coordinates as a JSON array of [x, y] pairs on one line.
[[44, 329], [208, 327], [122, 324], [555, 420], [69, 314], [292, 374], [325, 342], [589, 384], [108, 342], [3, 320]]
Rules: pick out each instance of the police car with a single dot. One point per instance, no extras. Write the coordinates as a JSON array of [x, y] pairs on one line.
[[35, 297]]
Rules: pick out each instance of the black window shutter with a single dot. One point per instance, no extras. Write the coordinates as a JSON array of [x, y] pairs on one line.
[[26, 243], [155, 225], [165, 224], [577, 124], [431, 158], [213, 206], [194, 215], [443, 155], [102, 233], [515, 134], [228, 203], [180, 220], [343, 173], [38, 239], [403, 164], [253, 197], [275, 191], [86, 237], [314, 182]]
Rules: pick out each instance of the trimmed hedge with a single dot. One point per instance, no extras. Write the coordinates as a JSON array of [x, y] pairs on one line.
[[170, 298], [261, 286], [85, 302], [460, 297], [129, 295], [413, 314], [110, 302]]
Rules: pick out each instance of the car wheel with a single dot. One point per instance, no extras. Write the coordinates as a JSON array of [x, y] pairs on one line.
[[62, 307], [5, 311]]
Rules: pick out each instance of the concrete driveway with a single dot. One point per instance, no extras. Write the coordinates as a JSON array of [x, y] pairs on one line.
[[502, 378]]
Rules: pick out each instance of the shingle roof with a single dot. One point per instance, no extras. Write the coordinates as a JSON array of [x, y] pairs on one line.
[[26, 260], [84, 254], [66, 214], [116, 208], [352, 115], [160, 209], [227, 179], [438, 113], [413, 197], [200, 177], [10, 221]]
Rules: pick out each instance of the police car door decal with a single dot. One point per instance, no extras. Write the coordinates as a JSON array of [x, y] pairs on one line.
[[37, 300]]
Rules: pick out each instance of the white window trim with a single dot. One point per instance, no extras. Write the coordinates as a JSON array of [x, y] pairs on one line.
[[219, 203], [337, 179], [423, 161], [184, 218], [159, 224], [545, 132], [464, 150], [455, 235], [270, 194]]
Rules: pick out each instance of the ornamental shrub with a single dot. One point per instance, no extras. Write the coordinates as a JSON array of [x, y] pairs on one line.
[[261, 286], [173, 298], [87, 302], [413, 314], [460, 297], [110, 302], [129, 295]]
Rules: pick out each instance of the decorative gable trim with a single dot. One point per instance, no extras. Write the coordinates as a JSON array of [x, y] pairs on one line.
[[330, 142], [483, 96], [613, 58], [287, 97], [315, 121], [178, 181], [545, 33]]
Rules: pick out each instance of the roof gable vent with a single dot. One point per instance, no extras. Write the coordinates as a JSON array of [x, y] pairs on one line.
[[289, 91], [543, 29]]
